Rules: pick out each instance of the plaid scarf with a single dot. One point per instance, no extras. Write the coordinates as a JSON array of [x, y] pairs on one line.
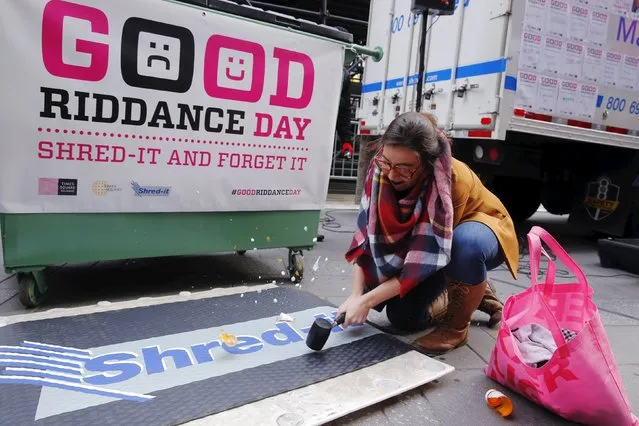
[[408, 238]]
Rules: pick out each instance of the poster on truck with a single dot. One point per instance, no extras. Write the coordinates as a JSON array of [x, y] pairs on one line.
[[157, 106], [591, 45]]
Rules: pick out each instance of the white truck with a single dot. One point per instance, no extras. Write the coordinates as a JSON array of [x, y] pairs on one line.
[[541, 98]]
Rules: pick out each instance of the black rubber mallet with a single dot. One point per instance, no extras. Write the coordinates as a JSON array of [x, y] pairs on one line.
[[320, 330]]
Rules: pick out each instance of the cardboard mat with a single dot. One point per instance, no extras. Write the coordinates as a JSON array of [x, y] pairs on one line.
[[163, 361]]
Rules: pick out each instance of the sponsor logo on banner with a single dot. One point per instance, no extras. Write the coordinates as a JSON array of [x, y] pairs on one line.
[[102, 188], [150, 191], [602, 198], [52, 186], [134, 371], [155, 89]]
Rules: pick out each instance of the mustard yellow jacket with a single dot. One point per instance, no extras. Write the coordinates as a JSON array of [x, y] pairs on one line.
[[472, 201]]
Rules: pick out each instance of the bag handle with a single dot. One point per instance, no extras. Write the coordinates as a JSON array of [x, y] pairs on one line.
[[535, 237], [551, 272], [535, 248]]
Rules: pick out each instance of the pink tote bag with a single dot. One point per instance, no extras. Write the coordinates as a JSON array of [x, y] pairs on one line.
[[581, 381]]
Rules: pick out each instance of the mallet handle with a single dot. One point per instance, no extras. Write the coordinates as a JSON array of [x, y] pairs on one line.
[[340, 319]]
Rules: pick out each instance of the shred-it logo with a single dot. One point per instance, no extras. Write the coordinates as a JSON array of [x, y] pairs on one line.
[[150, 191], [602, 198], [134, 372], [54, 366]]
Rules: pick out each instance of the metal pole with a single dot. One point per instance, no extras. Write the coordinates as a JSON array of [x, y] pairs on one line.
[[422, 54], [347, 20], [376, 53], [344, 19], [382, 95], [453, 80], [408, 62], [323, 12]]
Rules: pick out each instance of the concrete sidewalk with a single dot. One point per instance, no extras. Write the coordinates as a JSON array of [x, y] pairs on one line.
[[457, 399]]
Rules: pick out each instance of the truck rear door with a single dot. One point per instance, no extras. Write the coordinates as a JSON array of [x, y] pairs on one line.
[[466, 65]]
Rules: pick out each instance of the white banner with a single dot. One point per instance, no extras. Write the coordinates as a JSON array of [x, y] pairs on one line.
[[152, 106]]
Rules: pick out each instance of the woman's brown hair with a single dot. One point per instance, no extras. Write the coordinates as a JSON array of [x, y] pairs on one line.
[[417, 131]]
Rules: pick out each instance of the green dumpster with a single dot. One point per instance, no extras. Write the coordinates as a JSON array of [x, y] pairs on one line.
[[163, 128]]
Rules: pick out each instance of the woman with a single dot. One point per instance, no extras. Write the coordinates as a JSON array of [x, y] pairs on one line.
[[428, 233]]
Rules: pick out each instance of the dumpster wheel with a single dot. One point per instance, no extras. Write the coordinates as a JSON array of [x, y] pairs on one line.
[[296, 265], [32, 288]]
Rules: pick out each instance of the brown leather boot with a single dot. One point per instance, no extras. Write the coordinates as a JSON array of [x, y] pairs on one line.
[[491, 305], [438, 308], [453, 332]]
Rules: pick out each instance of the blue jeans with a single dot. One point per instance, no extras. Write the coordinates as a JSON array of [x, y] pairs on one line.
[[475, 251]]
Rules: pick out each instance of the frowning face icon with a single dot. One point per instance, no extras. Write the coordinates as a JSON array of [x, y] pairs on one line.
[[157, 56]]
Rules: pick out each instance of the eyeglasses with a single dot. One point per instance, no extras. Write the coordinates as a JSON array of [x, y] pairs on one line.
[[387, 166]]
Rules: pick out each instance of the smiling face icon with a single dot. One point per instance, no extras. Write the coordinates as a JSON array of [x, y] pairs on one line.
[[236, 69], [229, 72], [158, 56]]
